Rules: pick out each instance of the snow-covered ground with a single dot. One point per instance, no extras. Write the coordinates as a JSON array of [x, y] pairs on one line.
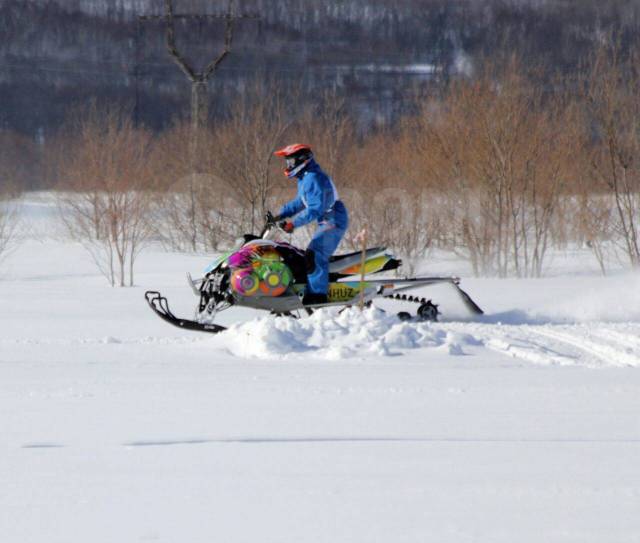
[[523, 426]]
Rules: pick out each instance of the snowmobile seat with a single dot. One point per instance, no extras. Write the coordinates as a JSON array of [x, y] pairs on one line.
[[337, 258]]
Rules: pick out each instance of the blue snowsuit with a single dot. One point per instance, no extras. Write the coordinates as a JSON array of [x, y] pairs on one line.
[[317, 200]]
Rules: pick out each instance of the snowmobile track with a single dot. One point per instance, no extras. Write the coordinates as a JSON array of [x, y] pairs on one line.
[[609, 353], [584, 345], [630, 343]]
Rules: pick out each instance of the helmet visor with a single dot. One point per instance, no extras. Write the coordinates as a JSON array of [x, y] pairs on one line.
[[291, 162]]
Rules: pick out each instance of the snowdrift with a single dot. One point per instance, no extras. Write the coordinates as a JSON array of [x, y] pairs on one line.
[[332, 334]]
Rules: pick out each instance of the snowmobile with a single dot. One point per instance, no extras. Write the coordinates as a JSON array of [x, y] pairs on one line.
[[271, 275]]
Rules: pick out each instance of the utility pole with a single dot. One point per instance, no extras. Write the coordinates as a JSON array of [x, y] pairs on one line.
[[199, 100], [199, 78]]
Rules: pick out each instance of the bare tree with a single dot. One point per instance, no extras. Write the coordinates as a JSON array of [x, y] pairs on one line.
[[17, 169], [8, 221], [238, 180], [242, 150], [19, 162], [498, 155], [177, 208], [614, 104], [107, 177], [329, 128], [386, 196], [593, 218]]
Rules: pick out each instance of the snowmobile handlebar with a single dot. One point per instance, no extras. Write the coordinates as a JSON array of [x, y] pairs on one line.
[[269, 219], [270, 223]]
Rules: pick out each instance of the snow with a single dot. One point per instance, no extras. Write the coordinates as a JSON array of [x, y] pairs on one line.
[[332, 334], [520, 426], [406, 68]]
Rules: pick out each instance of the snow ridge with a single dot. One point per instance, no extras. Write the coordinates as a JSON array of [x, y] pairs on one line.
[[332, 334]]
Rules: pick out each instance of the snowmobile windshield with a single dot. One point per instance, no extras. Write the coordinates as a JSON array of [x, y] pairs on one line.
[[217, 262]]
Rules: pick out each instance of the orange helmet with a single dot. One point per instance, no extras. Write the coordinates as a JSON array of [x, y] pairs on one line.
[[297, 155], [293, 149]]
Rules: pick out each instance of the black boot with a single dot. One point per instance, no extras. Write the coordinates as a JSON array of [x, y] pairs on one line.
[[313, 298]]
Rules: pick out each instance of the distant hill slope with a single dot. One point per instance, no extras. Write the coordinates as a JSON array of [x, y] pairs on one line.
[[56, 53]]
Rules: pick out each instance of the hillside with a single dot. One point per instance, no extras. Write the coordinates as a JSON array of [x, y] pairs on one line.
[[58, 53]]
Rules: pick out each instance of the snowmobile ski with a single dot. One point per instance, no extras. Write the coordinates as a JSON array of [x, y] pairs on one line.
[[160, 306]]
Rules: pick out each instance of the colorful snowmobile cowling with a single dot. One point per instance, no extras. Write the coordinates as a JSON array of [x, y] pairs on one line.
[[272, 275], [258, 269]]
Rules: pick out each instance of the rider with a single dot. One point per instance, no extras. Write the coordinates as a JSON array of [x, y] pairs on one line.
[[317, 200]]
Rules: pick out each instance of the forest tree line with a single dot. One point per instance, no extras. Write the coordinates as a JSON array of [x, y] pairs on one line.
[[500, 168]]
